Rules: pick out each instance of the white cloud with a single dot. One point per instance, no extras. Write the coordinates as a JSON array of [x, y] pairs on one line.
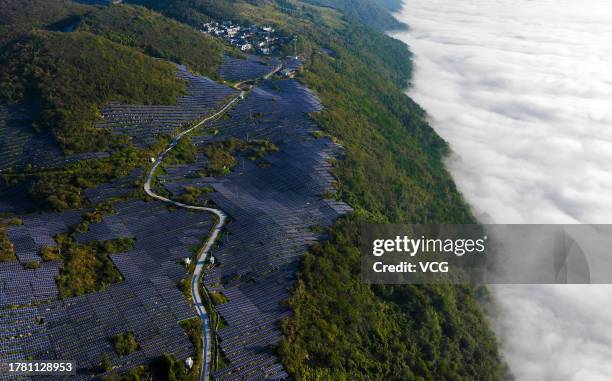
[[522, 90]]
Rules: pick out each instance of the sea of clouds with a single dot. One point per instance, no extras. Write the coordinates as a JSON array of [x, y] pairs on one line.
[[522, 91]]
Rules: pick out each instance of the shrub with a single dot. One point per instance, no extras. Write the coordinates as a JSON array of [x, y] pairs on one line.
[[125, 343]]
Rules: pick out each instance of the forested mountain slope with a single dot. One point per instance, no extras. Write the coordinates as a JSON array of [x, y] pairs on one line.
[[157, 36], [108, 54]]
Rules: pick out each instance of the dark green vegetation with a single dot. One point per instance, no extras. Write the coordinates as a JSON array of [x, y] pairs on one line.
[[86, 268], [369, 12], [64, 189], [125, 343], [71, 75], [218, 298], [31, 265], [106, 362], [7, 251], [192, 194], [95, 215], [193, 12], [183, 152], [172, 369], [193, 329], [343, 329], [221, 155], [30, 13], [157, 36]]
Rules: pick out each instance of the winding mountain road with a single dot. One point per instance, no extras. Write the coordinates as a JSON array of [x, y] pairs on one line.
[[221, 217], [203, 252]]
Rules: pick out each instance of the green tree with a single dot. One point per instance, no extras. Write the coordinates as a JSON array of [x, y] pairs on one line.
[[106, 362]]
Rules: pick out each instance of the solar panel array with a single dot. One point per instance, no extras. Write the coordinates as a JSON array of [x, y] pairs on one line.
[[166, 236], [20, 286], [272, 211], [37, 231], [20, 145], [145, 123], [15, 198], [116, 188], [147, 302], [236, 69], [15, 323], [149, 305], [293, 63]]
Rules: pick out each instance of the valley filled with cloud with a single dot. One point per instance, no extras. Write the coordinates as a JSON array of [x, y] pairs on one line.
[[522, 91]]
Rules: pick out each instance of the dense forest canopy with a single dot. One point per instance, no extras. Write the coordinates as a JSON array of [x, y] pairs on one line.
[[157, 36], [32, 13], [72, 75], [110, 54]]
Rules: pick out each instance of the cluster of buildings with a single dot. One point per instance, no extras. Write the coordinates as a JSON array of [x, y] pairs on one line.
[[259, 39]]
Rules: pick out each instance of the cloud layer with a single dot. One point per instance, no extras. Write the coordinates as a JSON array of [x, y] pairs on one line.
[[522, 90]]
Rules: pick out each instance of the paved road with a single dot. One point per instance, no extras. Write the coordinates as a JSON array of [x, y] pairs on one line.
[[221, 217], [201, 257]]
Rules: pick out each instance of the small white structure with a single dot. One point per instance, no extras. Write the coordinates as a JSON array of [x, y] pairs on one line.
[[288, 73], [189, 362], [212, 260], [152, 160], [187, 261]]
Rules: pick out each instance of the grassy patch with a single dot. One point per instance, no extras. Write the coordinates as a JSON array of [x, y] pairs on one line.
[[184, 285], [183, 152], [191, 196], [50, 253], [31, 265], [218, 298], [193, 328], [125, 343], [87, 268], [7, 250], [221, 155]]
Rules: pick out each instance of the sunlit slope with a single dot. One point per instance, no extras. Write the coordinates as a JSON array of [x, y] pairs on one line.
[[71, 75], [110, 57], [157, 36], [38, 12]]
